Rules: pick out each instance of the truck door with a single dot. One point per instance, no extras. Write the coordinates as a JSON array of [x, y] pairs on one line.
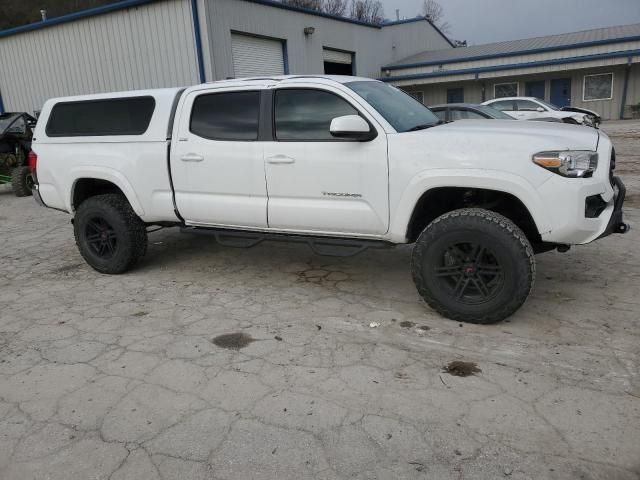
[[217, 161], [319, 183]]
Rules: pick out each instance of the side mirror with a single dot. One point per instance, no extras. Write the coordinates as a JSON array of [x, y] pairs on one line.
[[352, 127], [540, 109]]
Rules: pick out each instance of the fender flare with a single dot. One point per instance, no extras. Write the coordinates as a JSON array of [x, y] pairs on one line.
[[108, 175], [495, 180]]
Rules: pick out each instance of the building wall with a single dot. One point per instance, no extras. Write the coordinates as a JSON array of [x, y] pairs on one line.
[[143, 47], [436, 93], [373, 46]]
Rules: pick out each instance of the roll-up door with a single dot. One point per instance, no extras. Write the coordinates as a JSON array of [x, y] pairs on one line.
[[255, 56], [334, 56]]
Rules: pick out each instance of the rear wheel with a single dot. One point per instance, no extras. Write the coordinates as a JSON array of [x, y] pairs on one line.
[[473, 265], [22, 181], [110, 236]]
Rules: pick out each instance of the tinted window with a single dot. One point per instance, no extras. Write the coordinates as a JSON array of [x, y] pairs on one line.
[[114, 116], [493, 113], [527, 105], [307, 114], [226, 116], [503, 106]]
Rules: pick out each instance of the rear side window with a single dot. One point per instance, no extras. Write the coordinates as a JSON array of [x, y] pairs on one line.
[[114, 116], [226, 116], [503, 106], [306, 114]]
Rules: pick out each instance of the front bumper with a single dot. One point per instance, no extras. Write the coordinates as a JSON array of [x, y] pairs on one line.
[[616, 223]]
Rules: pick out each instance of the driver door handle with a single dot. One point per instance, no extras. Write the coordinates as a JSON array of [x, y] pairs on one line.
[[280, 159], [192, 157]]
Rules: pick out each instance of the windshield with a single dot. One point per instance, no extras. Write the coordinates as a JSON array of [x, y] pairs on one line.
[[403, 112], [494, 112], [546, 104]]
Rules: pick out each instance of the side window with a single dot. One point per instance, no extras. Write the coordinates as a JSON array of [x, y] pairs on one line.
[[503, 106], [226, 116], [526, 105], [441, 114], [112, 116], [465, 115], [306, 114]]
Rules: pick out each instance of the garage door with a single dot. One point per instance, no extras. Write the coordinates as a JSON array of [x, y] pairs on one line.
[[334, 56], [254, 56]]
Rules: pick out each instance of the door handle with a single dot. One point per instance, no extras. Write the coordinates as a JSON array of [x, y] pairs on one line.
[[192, 157], [280, 159]]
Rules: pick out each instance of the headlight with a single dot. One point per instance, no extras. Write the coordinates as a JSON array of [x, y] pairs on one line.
[[568, 163]]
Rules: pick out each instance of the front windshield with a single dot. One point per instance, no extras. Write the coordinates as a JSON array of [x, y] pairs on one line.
[[546, 104], [494, 112], [403, 112]]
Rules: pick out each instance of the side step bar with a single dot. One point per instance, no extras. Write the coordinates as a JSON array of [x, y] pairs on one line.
[[326, 246]]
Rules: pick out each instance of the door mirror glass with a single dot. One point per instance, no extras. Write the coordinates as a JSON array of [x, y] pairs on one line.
[[540, 109], [352, 127]]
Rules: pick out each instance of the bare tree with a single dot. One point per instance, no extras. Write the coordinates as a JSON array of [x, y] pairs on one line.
[[367, 11], [308, 4], [335, 7], [434, 12]]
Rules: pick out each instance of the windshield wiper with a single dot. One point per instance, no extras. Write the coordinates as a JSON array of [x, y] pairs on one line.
[[424, 126]]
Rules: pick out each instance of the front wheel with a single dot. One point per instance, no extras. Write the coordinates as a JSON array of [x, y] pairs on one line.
[[473, 265], [109, 234]]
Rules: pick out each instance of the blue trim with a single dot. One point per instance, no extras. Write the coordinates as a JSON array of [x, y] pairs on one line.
[[512, 54], [285, 57], [91, 12], [391, 23], [1, 104], [513, 66], [198, 40]]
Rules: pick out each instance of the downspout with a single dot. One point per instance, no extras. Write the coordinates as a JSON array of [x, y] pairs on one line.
[[623, 102], [1, 103], [198, 39]]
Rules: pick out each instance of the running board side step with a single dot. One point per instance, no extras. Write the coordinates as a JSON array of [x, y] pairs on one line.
[[326, 246]]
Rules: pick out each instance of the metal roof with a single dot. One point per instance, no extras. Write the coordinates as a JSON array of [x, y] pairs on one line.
[[585, 38]]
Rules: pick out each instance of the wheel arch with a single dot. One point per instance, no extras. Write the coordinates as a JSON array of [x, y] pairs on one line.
[[87, 184], [429, 197]]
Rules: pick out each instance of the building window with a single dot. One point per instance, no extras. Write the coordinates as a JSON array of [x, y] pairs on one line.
[[598, 87], [501, 90]]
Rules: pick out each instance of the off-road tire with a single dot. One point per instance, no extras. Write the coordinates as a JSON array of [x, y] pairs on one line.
[[22, 181], [127, 229], [507, 245]]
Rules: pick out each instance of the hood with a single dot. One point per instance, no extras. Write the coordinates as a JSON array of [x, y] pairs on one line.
[[581, 110], [538, 136]]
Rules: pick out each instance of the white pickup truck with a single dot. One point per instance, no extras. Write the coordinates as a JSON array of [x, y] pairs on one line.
[[341, 163]]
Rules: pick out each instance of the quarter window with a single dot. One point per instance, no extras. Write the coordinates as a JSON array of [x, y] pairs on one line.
[[226, 116], [501, 90], [306, 114], [113, 116], [598, 87]]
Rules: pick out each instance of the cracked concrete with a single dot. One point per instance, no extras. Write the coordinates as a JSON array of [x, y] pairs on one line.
[[116, 377]]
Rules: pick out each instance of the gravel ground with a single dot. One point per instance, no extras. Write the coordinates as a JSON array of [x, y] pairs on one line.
[[120, 377]]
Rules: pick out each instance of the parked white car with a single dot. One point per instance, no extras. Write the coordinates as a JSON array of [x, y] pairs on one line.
[[528, 108], [340, 163]]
